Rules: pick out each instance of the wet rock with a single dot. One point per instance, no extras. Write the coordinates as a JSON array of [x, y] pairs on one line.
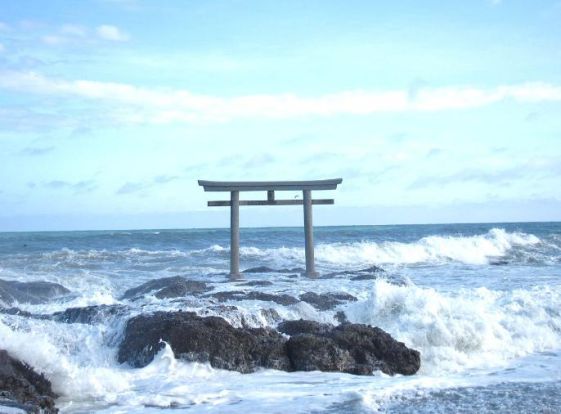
[[22, 387], [209, 339], [360, 274], [281, 299], [168, 287], [16, 311], [88, 314], [301, 326], [30, 292], [352, 348], [265, 269], [341, 317], [259, 283], [326, 301]]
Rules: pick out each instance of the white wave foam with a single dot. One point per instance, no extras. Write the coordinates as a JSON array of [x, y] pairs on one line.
[[479, 249], [474, 328]]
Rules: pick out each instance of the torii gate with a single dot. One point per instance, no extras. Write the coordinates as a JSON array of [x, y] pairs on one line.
[[234, 188]]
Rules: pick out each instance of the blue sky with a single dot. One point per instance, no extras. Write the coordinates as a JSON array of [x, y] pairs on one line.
[[110, 110]]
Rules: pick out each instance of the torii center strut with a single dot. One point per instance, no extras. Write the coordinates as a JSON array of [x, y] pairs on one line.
[[234, 188]]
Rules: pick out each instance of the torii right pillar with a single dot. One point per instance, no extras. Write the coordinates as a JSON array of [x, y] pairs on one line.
[[309, 234]]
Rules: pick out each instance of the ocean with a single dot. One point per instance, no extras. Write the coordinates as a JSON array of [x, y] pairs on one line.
[[481, 302]]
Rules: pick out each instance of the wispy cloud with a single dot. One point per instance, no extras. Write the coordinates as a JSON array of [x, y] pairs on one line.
[[159, 106], [83, 186], [33, 151], [139, 186], [113, 33]]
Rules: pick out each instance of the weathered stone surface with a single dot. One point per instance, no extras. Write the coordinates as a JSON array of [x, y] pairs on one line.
[[209, 339], [326, 301], [265, 269], [260, 283], [351, 348], [281, 299], [20, 384], [88, 314], [30, 292], [366, 349], [168, 287]]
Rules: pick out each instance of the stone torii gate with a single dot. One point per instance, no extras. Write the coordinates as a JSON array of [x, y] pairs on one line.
[[234, 188]]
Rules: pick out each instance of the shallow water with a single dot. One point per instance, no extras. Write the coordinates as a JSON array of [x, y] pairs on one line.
[[481, 302]]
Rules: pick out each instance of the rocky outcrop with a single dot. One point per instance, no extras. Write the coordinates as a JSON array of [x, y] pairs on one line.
[[88, 314], [168, 287], [21, 387], [351, 348], [281, 299], [326, 301], [210, 339], [265, 269], [30, 292]]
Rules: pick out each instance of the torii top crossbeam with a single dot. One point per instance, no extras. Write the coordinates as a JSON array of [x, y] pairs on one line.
[[234, 188]]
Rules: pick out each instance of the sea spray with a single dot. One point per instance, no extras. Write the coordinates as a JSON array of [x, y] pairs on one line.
[[473, 328]]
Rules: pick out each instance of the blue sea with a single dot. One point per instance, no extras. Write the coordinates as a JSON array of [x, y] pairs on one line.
[[481, 302]]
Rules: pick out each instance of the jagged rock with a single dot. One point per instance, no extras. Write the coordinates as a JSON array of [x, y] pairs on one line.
[[30, 292], [22, 387], [282, 299], [16, 311], [259, 283], [209, 339], [301, 326], [326, 301], [168, 287], [341, 317], [360, 274], [88, 314], [265, 269], [370, 349], [351, 348]]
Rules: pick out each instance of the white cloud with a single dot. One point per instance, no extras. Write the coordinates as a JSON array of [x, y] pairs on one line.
[[73, 30], [113, 33], [144, 105], [53, 40]]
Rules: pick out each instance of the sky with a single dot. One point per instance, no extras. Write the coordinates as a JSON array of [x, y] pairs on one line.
[[430, 111]]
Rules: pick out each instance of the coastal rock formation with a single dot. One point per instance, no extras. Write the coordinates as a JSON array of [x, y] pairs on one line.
[[352, 348], [210, 339], [29, 292], [281, 299], [326, 301], [88, 314], [168, 287], [266, 269], [21, 387]]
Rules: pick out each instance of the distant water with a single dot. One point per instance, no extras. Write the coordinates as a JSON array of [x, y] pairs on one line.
[[481, 302]]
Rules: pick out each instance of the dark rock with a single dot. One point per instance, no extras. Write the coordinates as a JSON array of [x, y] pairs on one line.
[[372, 348], [498, 262], [360, 274], [341, 317], [301, 326], [23, 388], [281, 299], [265, 269], [318, 353], [168, 287], [259, 283], [88, 314], [326, 301], [351, 348], [199, 339], [30, 292], [16, 311], [366, 349]]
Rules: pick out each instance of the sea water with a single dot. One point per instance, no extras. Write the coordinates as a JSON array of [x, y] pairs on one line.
[[481, 302]]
